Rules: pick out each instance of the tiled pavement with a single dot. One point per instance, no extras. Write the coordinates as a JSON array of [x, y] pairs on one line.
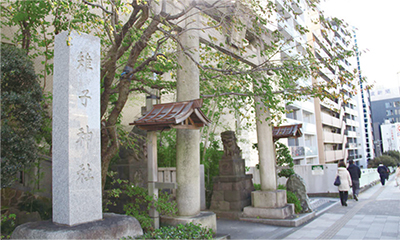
[[375, 216]]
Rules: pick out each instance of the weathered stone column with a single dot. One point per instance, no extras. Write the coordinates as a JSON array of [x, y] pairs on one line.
[[266, 148], [188, 141], [269, 202]]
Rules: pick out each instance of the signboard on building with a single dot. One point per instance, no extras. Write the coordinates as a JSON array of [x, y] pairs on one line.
[[317, 170], [390, 137]]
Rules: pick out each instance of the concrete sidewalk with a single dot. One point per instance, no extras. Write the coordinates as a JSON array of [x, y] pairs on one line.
[[375, 216]]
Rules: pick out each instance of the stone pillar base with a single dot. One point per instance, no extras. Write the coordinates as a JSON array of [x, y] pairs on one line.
[[268, 199], [112, 226], [206, 219], [269, 204], [272, 213]]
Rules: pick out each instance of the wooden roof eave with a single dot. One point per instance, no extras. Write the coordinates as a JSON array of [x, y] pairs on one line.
[[185, 115], [202, 117]]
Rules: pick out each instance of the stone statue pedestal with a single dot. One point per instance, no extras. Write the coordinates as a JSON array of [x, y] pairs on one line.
[[232, 188], [112, 226], [269, 204], [231, 194]]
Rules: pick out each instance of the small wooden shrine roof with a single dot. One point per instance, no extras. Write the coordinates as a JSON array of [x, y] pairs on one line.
[[184, 115], [287, 131]]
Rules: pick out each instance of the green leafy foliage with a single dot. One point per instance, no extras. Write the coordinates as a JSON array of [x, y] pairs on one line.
[[141, 202], [257, 186], [8, 225], [136, 36], [281, 187], [210, 158], [394, 154], [292, 198], [389, 158], [187, 231], [166, 149], [284, 159], [41, 205], [21, 113]]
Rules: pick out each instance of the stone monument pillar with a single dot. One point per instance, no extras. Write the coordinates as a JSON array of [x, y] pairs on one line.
[[77, 192], [77, 196], [232, 188], [269, 202]]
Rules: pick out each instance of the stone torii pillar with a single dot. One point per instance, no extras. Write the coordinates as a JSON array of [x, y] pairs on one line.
[[188, 141], [268, 203]]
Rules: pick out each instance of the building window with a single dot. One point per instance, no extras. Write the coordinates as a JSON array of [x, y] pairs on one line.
[[396, 104], [387, 91], [388, 104], [389, 112]]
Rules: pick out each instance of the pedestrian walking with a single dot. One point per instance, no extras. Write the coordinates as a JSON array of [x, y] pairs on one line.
[[383, 173], [355, 174], [397, 175], [345, 183]]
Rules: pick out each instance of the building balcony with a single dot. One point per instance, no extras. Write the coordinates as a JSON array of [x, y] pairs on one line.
[[351, 145], [351, 122], [297, 8], [330, 120], [334, 155], [330, 104], [351, 111], [332, 137], [351, 134]]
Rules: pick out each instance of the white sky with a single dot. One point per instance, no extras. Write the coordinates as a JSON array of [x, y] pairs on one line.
[[378, 24]]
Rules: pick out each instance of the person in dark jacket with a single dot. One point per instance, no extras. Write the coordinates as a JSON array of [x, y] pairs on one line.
[[355, 174], [383, 173]]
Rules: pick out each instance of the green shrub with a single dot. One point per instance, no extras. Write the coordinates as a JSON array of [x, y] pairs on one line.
[[284, 158], [21, 113], [41, 205], [7, 225], [281, 187], [385, 159], [140, 202], [210, 158], [187, 231], [257, 186], [166, 148], [292, 198]]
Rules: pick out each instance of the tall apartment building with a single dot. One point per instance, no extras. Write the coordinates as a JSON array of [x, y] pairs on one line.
[[337, 122], [303, 149], [385, 107], [367, 139]]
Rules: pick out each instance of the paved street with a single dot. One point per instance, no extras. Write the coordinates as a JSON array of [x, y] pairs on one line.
[[375, 216]]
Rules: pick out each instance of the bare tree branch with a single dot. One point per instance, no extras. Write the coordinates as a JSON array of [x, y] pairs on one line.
[[99, 6]]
